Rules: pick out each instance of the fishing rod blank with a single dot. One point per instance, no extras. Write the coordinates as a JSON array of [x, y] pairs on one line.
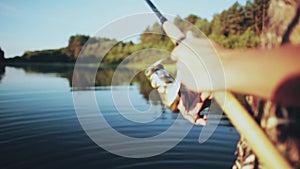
[[156, 11]]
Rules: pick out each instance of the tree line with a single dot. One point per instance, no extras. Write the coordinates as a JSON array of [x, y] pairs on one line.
[[239, 26]]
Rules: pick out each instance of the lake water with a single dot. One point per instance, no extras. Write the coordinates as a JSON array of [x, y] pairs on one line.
[[39, 127]]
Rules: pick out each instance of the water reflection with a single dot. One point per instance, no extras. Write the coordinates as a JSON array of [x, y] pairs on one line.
[[40, 129], [104, 77], [2, 71]]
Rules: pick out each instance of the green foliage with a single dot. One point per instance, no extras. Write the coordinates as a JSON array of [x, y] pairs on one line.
[[237, 27], [76, 43], [63, 55], [240, 26], [204, 26], [155, 38], [245, 40], [118, 53], [47, 56]]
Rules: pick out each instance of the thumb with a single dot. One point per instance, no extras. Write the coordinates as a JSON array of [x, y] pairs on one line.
[[178, 51], [189, 35]]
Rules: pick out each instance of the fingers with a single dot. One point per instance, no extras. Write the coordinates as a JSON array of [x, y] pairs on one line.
[[178, 50], [199, 64], [201, 121], [192, 115], [205, 96], [189, 35]]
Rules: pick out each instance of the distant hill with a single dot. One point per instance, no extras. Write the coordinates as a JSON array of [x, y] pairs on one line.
[[237, 27], [67, 54], [2, 58]]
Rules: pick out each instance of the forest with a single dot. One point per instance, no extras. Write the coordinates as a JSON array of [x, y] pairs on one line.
[[237, 27]]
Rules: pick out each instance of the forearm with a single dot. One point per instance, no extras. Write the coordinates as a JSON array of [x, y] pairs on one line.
[[260, 72], [256, 72]]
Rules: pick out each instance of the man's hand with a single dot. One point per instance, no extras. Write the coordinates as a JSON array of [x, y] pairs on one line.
[[198, 64]]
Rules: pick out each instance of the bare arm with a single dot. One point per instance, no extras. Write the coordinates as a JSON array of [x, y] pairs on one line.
[[264, 72], [254, 71]]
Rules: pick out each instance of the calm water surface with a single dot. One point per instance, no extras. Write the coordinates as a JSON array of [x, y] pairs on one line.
[[39, 127]]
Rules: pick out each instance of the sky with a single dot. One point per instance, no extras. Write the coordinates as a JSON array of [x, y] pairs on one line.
[[47, 24]]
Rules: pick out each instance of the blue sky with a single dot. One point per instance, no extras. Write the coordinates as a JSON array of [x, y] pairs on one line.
[[47, 24]]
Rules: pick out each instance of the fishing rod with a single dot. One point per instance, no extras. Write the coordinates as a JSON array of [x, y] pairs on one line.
[[238, 115], [171, 30]]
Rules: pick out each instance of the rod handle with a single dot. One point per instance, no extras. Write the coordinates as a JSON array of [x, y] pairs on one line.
[[173, 32]]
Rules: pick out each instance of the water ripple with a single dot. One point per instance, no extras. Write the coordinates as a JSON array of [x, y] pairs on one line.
[[40, 129]]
